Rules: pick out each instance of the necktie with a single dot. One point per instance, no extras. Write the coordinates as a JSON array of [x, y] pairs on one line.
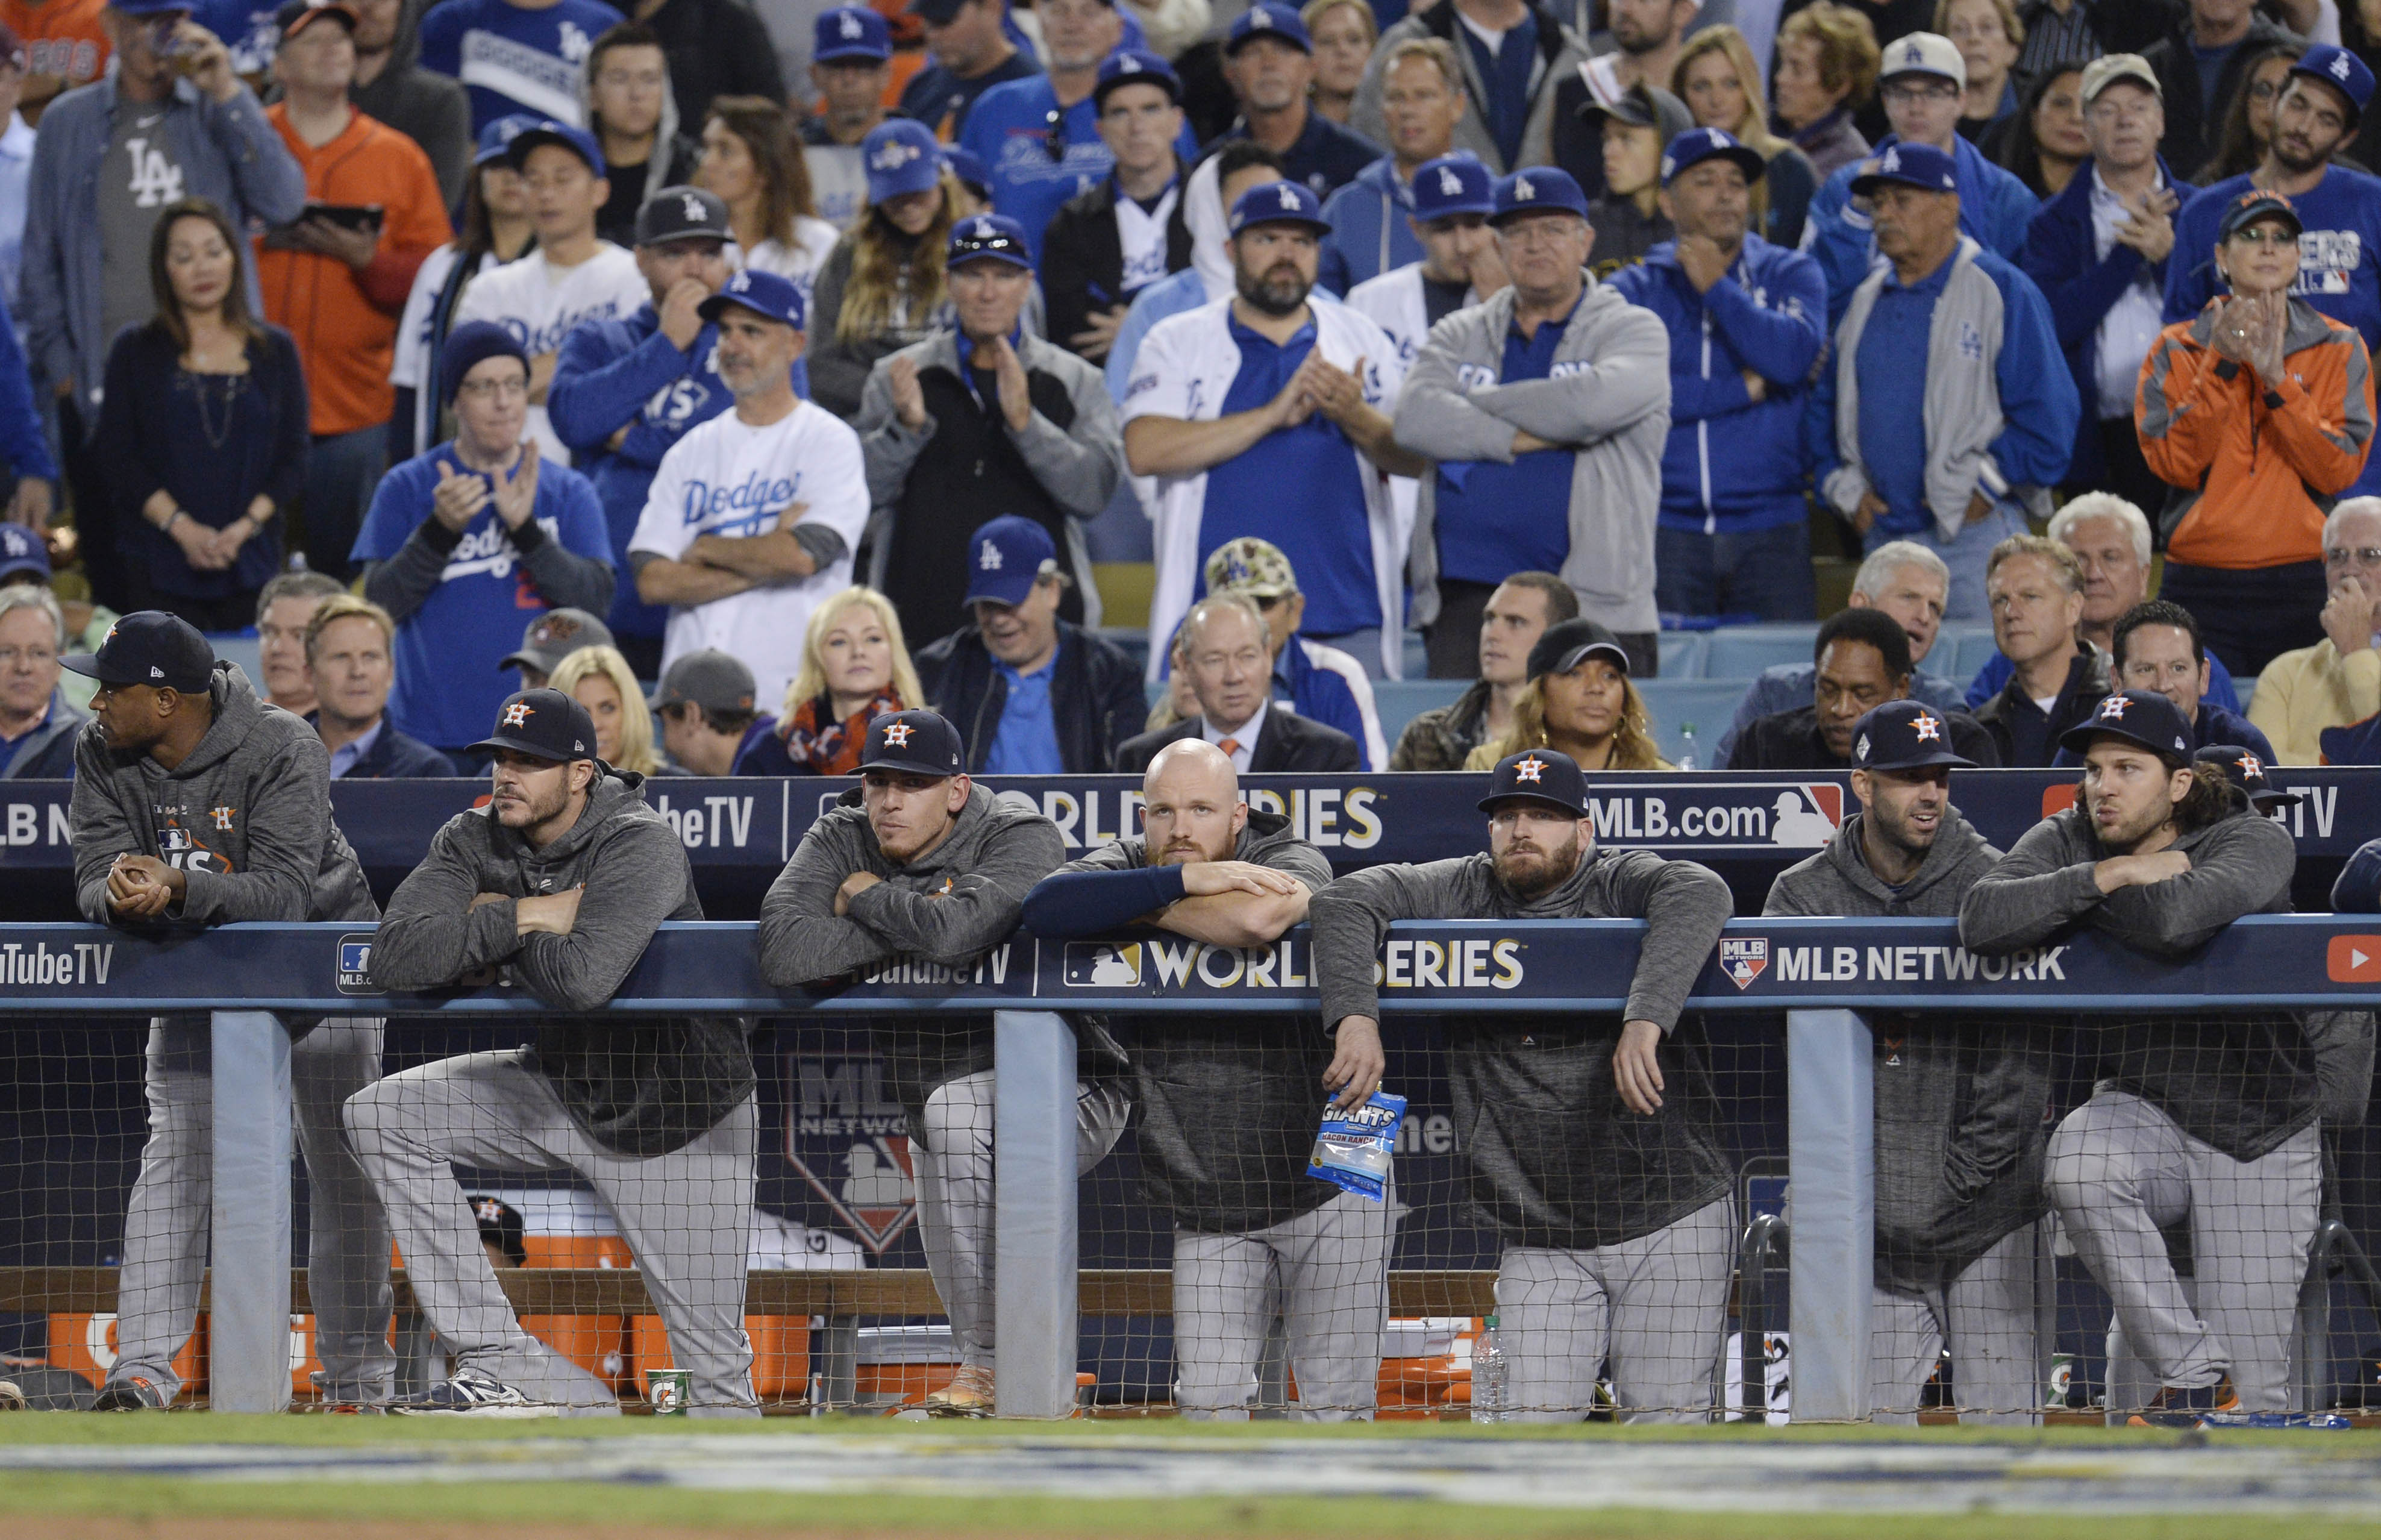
[[1230, 746]]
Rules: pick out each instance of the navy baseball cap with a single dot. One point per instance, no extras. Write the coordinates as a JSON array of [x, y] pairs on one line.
[[1919, 166], [546, 130], [1269, 19], [149, 7], [1135, 67], [544, 724], [1007, 557], [1698, 145], [1278, 203], [2249, 774], [1452, 184], [21, 551], [2342, 71], [764, 294], [2142, 718], [993, 236], [901, 157], [850, 33], [2251, 206], [1565, 644], [969, 168], [1904, 735], [918, 742], [149, 647], [935, 13], [498, 136], [683, 214], [1540, 776], [1538, 190]]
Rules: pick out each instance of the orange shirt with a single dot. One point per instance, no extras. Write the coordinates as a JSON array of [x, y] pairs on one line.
[[61, 37], [345, 321]]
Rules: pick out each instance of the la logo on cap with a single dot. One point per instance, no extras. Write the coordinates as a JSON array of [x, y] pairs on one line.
[[1913, 54], [1127, 66], [741, 282], [1449, 183], [988, 559], [1929, 729], [2340, 66], [1259, 19], [983, 230], [850, 25], [1236, 569], [893, 155], [694, 211], [1289, 193], [1892, 161], [1524, 191], [1532, 769], [897, 735], [518, 713]]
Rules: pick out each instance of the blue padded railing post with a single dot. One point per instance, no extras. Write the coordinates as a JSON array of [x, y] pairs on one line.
[[1831, 1152], [248, 1324], [1034, 1186]]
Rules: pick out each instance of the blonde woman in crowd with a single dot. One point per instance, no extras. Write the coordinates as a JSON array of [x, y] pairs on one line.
[[1343, 33], [600, 679], [1717, 78], [883, 286], [855, 669], [1579, 700]]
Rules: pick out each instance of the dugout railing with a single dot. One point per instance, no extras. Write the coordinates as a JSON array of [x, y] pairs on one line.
[[1821, 974]]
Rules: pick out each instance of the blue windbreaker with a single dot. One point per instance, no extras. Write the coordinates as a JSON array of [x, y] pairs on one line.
[[1995, 207]]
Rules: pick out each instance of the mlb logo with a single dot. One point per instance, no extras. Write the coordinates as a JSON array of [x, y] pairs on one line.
[[173, 837], [1101, 965], [1742, 959], [355, 965]]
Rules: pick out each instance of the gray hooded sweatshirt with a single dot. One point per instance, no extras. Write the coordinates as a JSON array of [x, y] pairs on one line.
[[1959, 1100], [428, 108], [947, 907], [247, 817], [1557, 1159], [637, 1088]]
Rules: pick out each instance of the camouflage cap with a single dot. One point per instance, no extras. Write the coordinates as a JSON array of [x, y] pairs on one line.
[[1249, 566]]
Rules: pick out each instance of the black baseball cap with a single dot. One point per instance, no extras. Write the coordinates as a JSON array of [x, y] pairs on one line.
[[501, 1226], [1904, 735], [1542, 775], [149, 647], [2246, 769], [544, 723], [2142, 718], [2251, 206], [682, 214], [1564, 646], [918, 742]]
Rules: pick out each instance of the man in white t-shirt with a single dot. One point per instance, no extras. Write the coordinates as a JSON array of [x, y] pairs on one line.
[[753, 515], [573, 275]]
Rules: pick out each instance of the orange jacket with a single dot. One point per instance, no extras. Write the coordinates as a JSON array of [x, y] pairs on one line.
[[345, 319], [63, 38], [2265, 463]]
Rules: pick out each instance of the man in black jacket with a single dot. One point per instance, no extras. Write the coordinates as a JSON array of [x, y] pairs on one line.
[[2035, 587], [2232, 29], [1958, 1099], [1224, 654], [349, 658], [1105, 246], [1863, 662], [1031, 694], [561, 882]]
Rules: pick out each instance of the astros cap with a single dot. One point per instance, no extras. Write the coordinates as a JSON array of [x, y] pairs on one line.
[[1904, 735], [2248, 775], [920, 742], [2141, 718], [544, 724], [149, 647], [1538, 775]]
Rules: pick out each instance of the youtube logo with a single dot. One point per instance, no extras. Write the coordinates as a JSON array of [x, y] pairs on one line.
[[2354, 960]]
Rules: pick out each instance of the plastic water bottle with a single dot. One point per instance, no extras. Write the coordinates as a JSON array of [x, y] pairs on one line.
[[1687, 747], [1490, 1369]]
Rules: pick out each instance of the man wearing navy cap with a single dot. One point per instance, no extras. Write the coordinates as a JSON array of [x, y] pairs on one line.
[[973, 53], [983, 419], [1451, 199], [2205, 1119], [1037, 694], [1593, 1142], [1269, 61], [752, 518], [1743, 316], [1106, 245], [515, 58], [1372, 217], [1958, 1100], [1945, 410], [1264, 402], [1544, 409], [573, 276], [920, 862], [560, 883], [198, 804], [851, 65]]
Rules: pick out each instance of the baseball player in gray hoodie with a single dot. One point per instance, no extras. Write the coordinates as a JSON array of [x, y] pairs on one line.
[[196, 803], [2207, 1118], [561, 881], [1230, 1101], [1593, 1142], [1959, 1099], [919, 860]]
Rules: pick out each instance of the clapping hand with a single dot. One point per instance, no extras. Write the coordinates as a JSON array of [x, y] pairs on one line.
[[516, 496], [457, 498]]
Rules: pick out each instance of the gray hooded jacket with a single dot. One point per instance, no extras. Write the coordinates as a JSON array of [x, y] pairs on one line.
[[428, 108], [1959, 1100], [1609, 396], [1557, 1159], [247, 817], [637, 1088]]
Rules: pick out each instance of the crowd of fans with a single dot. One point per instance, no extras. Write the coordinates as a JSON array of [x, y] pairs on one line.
[[781, 367]]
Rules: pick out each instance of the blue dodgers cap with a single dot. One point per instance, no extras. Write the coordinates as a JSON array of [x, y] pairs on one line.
[[921, 742], [995, 236], [1919, 166], [1698, 145], [1452, 184], [2142, 718], [1539, 776], [543, 724], [764, 294], [1269, 19], [850, 33], [1278, 203], [149, 647], [2342, 71], [1009, 555], [1135, 67], [498, 136], [547, 130], [1904, 735], [969, 168], [1538, 190], [901, 157], [22, 551]]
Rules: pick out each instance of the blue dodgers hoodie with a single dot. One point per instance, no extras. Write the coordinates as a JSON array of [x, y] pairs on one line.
[[1370, 235], [1995, 208], [1733, 465]]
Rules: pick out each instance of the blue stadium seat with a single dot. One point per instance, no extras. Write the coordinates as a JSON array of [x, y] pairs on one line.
[[1972, 649], [1708, 703], [1742, 651], [242, 648], [1682, 654], [1400, 700]]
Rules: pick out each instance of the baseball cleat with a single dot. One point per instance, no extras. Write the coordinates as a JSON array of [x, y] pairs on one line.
[[2181, 1406], [967, 1395], [137, 1394], [471, 1393]]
